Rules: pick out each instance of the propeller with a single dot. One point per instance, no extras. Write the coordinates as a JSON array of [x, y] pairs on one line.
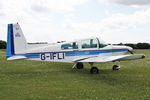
[[132, 52]]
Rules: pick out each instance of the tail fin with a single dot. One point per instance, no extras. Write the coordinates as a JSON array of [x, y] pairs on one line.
[[16, 42]]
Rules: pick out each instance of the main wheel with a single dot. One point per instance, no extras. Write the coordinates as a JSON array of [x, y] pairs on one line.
[[116, 67], [94, 70], [79, 65]]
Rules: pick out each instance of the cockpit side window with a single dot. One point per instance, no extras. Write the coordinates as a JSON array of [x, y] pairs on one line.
[[102, 44], [73, 45], [90, 43]]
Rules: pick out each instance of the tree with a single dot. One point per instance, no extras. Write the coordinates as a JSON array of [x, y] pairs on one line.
[[134, 46], [143, 46], [2, 44]]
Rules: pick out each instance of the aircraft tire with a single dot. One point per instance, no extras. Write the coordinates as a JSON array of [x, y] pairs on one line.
[[94, 70], [115, 67], [79, 66]]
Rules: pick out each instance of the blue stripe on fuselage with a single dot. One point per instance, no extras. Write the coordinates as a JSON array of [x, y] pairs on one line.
[[29, 55], [93, 52], [74, 53]]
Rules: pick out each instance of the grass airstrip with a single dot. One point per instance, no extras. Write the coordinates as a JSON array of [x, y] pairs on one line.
[[36, 80]]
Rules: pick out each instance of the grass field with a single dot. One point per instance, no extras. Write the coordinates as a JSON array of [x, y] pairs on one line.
[[33, 80]]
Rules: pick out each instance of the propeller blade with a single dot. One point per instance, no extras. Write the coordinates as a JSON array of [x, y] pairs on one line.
[[132, 52]]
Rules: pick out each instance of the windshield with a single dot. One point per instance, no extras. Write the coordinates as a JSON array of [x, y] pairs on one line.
[[102, 43], [89, 43]]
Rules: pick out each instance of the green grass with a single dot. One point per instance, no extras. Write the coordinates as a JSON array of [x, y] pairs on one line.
[[35, 80]]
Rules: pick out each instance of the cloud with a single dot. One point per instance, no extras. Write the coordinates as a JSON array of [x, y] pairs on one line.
[[55, 5], [37, 17], [107, 12], [2, 14], [113, 24], [32, 14], [122, 21], [129, 2], [39, 8], [17, 8], [34, 11]]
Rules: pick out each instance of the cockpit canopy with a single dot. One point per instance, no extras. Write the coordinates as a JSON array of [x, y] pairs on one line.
[[85, 44], [102, 43], [73, 45]]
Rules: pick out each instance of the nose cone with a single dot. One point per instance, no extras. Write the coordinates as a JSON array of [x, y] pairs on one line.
[[122, 47], [129, 48]]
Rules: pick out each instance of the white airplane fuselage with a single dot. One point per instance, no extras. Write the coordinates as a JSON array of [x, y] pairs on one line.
[[56, 54], [84, 50]]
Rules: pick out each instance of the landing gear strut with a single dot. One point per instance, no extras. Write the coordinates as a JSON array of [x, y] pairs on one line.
[[94, 70]]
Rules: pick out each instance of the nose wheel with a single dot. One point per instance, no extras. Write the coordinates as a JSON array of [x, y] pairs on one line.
[[115, 67]]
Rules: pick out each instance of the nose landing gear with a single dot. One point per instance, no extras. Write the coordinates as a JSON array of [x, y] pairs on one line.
[[116, 67]]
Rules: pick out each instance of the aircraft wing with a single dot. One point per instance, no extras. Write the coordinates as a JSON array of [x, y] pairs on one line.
[[110, 58]]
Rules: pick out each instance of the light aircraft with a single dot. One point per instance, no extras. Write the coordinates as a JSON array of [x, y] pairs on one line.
[[91, 50]]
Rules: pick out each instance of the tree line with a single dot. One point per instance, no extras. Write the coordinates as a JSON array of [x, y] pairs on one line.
[[134, 46], [137, 46]]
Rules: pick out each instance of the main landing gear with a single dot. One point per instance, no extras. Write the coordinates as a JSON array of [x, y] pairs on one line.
[[78, 66], [94, 69]]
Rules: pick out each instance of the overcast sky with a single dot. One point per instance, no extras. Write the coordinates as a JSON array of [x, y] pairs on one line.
[[115, 21]]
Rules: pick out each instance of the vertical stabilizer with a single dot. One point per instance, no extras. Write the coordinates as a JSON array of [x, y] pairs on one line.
[[16, 42]]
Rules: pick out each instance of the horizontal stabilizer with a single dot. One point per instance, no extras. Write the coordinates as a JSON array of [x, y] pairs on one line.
[[16, 57]]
